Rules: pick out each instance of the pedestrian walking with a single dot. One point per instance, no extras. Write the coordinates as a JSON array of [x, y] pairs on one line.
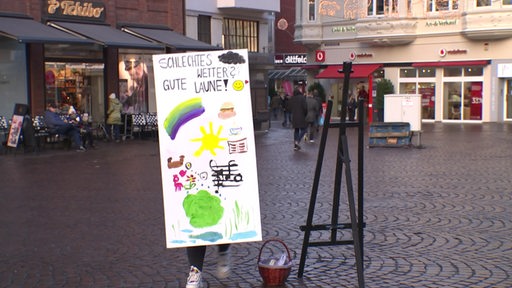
[[312, 116], [298, 108], [351, 108], [286, 109], [275, 105]]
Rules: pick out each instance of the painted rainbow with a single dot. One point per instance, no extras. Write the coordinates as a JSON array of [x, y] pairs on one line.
[[181, 114]]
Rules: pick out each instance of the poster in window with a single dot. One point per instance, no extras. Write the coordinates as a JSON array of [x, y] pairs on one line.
[[207, 149], [134, 96], [15, 130]]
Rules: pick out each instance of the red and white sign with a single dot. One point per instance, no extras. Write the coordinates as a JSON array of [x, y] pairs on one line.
[[352, 55], [320, 56]]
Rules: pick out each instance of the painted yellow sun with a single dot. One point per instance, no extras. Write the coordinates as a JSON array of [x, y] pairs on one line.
[[210, 141]]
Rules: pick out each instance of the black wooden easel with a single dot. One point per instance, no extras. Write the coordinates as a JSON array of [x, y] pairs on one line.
[[342, 160]]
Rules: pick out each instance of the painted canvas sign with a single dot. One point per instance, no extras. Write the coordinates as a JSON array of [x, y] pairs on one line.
[[207, 151]]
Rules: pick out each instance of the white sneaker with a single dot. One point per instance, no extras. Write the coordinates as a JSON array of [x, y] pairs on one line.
[[194, 280], [223, 264]]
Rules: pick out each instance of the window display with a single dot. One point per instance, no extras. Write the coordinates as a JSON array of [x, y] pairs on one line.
[[133, 83], [76, 85]]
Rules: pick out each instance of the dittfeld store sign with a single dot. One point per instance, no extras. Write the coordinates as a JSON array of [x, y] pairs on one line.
[[75, 10]]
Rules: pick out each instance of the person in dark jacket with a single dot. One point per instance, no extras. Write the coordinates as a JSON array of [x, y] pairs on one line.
[[59, 126], [312, 116], [299, 109]]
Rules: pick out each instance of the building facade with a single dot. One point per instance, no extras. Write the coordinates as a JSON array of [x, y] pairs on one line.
[[241, 24], [454, 53], [75, 53]]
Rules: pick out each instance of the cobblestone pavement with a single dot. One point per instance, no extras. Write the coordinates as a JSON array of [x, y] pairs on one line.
[[435, 217]]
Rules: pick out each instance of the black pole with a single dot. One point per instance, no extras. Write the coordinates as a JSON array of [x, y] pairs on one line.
[[360, 175]]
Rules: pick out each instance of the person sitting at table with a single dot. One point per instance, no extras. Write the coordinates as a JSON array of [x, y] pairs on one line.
[[56, 125]]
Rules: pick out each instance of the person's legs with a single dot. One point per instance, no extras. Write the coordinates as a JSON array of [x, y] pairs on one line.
[[196, 256], [108, 129], [195, 259], [116, 132], [285, 118], [224, 261], [73, 133], [302, 132], [312, 128], [297, 135]]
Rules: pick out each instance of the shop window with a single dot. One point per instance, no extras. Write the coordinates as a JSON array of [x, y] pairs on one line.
[[428, 100], [473, 71], [409, 84], [379, 74], [204, 24], [426, 72], [13, 75], [76, 85], [442, 5], [463, 100], [507, 2], [134, 82], [240, 34], [452, 72], [407, 88], [408, 73]]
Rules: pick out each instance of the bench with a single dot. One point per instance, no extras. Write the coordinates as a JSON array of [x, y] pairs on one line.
[[390, 134]]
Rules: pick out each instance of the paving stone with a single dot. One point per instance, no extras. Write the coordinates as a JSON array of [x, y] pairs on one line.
[[435, 217]]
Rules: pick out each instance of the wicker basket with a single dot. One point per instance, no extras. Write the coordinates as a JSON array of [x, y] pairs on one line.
[[274, 275]]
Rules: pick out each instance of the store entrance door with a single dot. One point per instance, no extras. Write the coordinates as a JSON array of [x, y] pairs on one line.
[[77, 85], [508, 100]]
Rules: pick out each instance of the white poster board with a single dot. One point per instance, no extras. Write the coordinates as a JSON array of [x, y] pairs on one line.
[[403, 108], [207, 149]]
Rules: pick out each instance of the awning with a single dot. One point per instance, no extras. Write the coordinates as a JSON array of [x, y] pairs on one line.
[[359, 71], [166, 36], [104, 34], [293, 73], [26, 30], [451, 63]]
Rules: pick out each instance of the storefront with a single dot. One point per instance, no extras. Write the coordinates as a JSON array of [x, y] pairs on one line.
[[459, 87], [72, 57]]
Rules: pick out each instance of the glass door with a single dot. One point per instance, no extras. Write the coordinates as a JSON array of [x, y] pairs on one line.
[[508, 100]]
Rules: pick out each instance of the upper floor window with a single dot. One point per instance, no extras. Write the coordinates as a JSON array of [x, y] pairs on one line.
[[240, 34], [382, 7], [204, 24], [442, 5], [483, 3], [312, 10]]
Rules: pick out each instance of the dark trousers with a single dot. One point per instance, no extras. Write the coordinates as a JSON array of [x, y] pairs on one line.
[[113, 128], [298, 134], [72, 132], [196, 255]]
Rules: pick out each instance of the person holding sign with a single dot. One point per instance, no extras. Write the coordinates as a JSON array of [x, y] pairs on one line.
[[207, 155]]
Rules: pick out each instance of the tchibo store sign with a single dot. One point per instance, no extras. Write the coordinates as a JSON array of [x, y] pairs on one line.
[[291, 59]]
